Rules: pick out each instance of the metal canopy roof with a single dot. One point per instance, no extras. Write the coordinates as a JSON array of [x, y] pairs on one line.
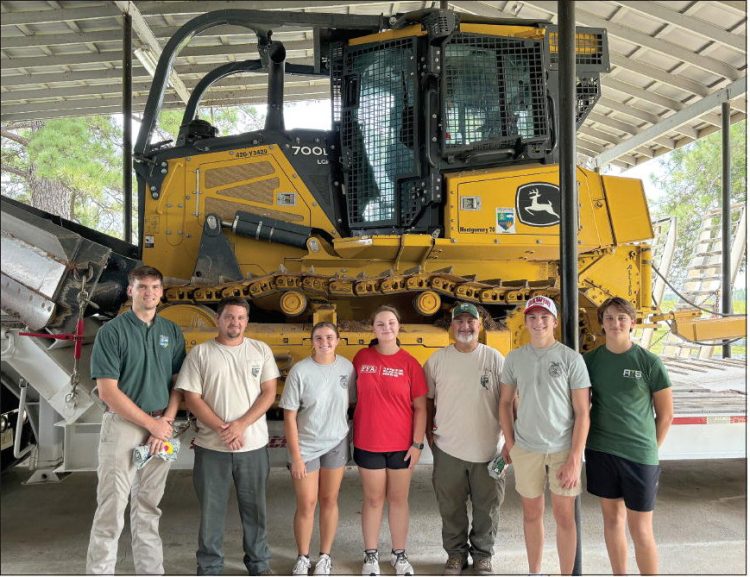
[[673, 62]]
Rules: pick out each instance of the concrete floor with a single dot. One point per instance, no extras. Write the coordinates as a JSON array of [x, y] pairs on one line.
[[700, 525]]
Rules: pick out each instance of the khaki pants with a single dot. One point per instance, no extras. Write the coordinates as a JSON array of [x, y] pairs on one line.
[[118, 481]]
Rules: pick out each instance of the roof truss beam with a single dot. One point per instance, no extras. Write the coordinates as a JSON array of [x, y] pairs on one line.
[[110, 35], [655, 73], [685, 115], [192, 8], [629, 128], [693, 25], [613, 122], [242, 51], [628, 110], [642, 93], [58, 15], [144, 32]]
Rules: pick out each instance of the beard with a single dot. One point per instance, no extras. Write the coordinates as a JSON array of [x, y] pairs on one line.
[[465, 338], [234, 333]]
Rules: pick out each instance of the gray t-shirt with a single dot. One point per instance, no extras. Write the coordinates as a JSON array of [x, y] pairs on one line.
[[466, 390], [543, 379], [320, 394]]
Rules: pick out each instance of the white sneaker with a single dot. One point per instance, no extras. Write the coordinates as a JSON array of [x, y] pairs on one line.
[[323, 566], [371, 565], [301, 566], [401, 564]]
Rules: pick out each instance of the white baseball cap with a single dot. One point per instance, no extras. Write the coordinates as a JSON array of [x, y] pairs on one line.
[[540, 302]]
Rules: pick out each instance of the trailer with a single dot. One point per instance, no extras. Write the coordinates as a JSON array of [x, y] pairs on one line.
[[710, 409]]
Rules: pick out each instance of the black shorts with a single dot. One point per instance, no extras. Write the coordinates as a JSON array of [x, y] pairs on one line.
[[612, 477], [370, 460]]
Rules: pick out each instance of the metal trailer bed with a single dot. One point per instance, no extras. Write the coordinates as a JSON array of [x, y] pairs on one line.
[[710, 409]]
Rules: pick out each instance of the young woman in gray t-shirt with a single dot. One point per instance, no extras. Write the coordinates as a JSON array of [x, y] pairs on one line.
[[315, 401]]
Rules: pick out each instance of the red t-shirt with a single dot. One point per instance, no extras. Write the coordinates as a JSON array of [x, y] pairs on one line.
[[386, 387]]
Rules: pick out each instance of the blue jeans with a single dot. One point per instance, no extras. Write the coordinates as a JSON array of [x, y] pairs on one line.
[[212, 477]]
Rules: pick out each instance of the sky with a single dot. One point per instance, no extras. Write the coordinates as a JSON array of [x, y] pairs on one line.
[[314, 114]]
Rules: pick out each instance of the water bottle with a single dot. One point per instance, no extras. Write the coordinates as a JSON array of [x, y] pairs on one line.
[[496, 467]]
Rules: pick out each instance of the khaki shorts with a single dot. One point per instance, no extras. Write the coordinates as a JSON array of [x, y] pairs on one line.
[[533, 469]]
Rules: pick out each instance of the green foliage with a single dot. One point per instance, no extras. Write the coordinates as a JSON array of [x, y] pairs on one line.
[[83, 153], [690, 180], [72, 166], [15, 165]]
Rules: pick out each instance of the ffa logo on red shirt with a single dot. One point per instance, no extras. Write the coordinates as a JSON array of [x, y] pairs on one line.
[[368, 369]]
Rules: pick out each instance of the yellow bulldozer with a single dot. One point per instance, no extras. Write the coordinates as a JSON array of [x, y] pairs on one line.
[[436, 184]]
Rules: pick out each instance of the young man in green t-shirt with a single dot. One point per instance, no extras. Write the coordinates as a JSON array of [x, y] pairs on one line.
[[134, 360], [629, 386]]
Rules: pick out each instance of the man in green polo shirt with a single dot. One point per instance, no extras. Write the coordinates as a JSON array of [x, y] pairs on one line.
[[135, 358], [631, 411]]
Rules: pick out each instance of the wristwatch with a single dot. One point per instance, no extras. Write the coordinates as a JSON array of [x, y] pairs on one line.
[[416, 445]]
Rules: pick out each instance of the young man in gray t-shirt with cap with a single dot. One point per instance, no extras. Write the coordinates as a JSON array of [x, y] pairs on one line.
[[546, 440]]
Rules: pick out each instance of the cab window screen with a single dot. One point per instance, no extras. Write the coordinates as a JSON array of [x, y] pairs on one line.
[[494, 92], [378, 128]]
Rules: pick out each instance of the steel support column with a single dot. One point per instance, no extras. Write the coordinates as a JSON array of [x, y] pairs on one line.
[[726, 222], [127, 128], [566, 21]]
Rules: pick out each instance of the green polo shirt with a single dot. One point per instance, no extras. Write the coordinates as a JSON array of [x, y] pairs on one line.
[[622, 408], [141, 358]]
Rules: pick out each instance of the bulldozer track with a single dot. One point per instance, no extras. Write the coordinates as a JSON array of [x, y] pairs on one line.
[[322, 288]]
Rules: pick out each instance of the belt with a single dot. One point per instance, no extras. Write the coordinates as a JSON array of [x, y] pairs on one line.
[[158, 413]]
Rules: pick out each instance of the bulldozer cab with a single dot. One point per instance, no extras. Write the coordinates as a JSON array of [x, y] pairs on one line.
[[427, 98], [415, 104]]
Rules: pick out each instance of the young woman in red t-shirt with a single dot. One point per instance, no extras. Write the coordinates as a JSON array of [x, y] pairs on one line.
[[389, 429]]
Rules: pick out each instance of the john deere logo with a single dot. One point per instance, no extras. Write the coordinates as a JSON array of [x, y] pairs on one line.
[[538, 204]]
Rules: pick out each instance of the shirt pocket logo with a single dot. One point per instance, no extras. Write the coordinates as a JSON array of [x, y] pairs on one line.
[[255, 371], [631, 374], [163, 341]]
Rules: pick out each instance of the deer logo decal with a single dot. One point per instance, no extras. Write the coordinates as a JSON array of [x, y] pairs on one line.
[[538, 204]]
